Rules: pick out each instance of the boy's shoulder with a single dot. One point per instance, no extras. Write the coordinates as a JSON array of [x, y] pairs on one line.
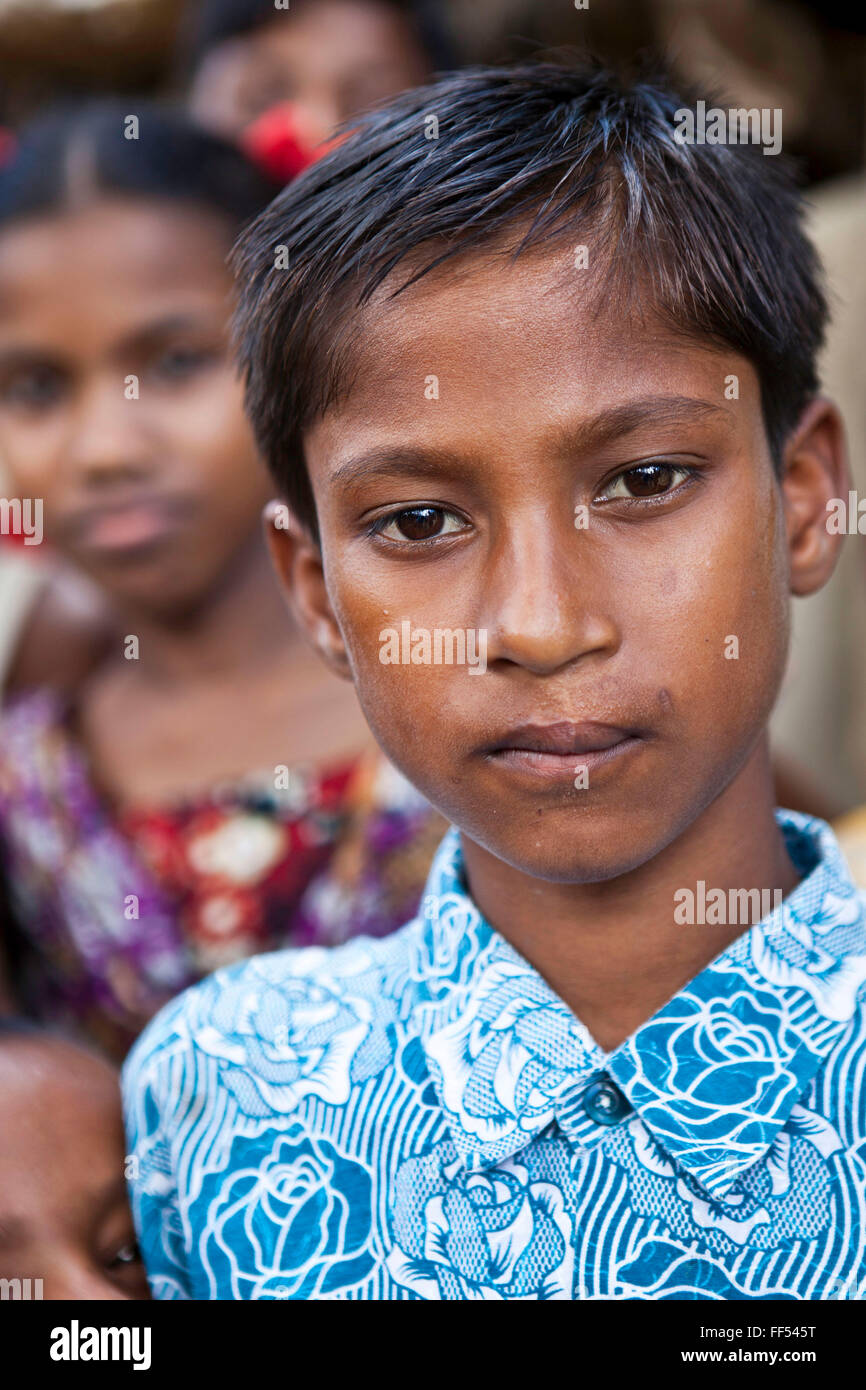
[[287, 1024], [316, 1021]]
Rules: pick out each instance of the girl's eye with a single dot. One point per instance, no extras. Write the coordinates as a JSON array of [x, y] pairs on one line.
[[418, 524], [645, 480], [32, 388], [176, 364]]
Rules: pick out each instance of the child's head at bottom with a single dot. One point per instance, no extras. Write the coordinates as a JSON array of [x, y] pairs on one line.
[[65, 1223], [553, 445]]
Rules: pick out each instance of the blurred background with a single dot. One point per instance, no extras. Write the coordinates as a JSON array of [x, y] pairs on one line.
[[807, 58]]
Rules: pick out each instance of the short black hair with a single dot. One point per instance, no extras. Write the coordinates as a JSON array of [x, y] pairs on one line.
[[20, 1028], [714, 231], [213, 22], [170, 158]]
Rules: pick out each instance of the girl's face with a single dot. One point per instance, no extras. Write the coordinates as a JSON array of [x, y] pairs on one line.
[[64, 1212], [120, 407], [330, 59]]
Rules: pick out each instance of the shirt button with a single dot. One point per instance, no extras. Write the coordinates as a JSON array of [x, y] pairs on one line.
[[605, 1103]]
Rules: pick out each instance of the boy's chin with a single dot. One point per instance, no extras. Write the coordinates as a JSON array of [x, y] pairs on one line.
[[575, 853]]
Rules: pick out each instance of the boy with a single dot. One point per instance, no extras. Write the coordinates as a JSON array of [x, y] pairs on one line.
[[540, 374]]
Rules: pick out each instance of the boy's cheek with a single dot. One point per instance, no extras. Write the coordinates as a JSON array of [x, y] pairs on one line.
[[424, 718], [730, 655], [416, 702]]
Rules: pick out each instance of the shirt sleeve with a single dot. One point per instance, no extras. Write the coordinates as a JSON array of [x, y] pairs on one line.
[[155, 1081]]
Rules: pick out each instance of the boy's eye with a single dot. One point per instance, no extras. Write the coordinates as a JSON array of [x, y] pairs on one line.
[[32, 388], [645, 480], [418, 524]]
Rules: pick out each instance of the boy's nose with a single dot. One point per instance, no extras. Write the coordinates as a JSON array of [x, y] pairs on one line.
[[544, 607]]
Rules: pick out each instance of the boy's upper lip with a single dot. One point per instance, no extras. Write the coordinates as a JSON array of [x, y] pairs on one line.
[[564, 738]]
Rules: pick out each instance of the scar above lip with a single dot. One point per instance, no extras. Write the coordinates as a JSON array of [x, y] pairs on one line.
[[665, 699]]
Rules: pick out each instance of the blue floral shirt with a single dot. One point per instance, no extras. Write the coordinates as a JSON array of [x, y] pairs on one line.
[[422, 1117]]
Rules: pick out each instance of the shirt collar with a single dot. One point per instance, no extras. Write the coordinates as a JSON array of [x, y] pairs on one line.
[[713, 1075]]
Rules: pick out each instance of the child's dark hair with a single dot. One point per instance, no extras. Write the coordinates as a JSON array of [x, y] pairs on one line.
[[85, 149], [212, 22], [18, 1028], [712, 232]]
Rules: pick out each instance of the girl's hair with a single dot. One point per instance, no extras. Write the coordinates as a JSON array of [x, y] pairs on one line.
[[19, 1028], [212, 22], [139, 149]]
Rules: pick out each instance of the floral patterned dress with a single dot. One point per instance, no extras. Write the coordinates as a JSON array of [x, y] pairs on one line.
[[115, 914]]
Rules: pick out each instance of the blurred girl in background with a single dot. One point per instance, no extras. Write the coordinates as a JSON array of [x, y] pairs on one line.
[[207, 789], [327, 59]]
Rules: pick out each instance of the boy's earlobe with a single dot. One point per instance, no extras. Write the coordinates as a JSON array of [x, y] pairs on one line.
[[297, 560], [814, 477]]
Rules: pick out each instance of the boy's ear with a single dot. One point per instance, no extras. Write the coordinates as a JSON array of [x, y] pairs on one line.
[[814, 472], [298, 563]]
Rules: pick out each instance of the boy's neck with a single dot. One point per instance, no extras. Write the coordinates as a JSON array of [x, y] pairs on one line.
[[613, 951]]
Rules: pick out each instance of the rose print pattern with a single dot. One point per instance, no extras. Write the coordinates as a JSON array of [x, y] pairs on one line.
[[422, 1117], [320, 1202], [482, 1233]]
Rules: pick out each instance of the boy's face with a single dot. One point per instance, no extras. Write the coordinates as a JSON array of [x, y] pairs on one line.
[[64, 1213], [636, 621]]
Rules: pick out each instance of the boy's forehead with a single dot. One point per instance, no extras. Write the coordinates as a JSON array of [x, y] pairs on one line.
[[528, 341], [488, 291]]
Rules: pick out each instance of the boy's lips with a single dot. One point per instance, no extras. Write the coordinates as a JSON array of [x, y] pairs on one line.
[[562, 749]]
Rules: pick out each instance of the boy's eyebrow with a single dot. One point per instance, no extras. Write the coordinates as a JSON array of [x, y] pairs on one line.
[[394, 460], [623, 419]]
